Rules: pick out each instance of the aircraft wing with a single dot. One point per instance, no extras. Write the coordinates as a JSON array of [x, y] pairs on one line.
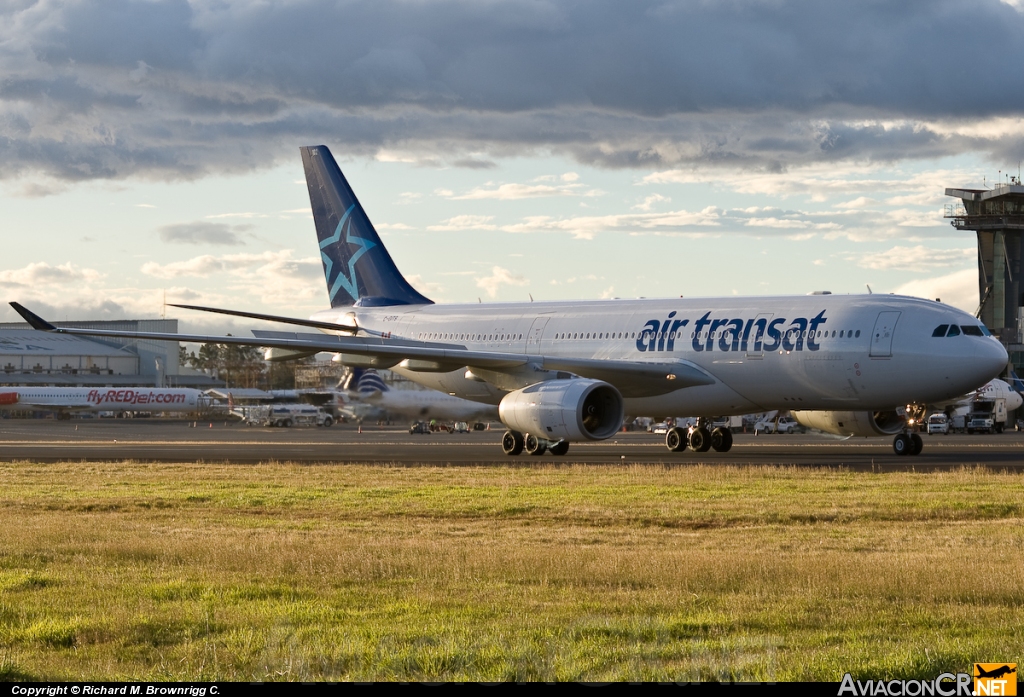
[[631, 378]]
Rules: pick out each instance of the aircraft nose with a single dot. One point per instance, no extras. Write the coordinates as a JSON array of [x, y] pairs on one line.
[[990, 359]]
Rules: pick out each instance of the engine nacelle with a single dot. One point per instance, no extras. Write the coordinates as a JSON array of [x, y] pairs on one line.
[[278, 355], [852, 423], [569, 410]]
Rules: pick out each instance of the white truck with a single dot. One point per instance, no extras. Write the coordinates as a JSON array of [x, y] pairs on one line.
[[782, 424], [987, 416], [286, 415]]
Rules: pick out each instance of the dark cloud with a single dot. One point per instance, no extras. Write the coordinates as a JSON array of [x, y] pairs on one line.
[[473, 163], [167, 88], [202, 232]]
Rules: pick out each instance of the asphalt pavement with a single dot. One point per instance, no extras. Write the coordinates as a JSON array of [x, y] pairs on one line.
[[156, 440]]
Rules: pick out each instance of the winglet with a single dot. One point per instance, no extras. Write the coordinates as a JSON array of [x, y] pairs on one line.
[[33, 319]]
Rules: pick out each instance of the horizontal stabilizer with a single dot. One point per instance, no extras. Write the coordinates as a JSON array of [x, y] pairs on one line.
[[330, 326]]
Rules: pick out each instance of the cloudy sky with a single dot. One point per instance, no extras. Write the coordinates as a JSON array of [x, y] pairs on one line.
[[504, 149]]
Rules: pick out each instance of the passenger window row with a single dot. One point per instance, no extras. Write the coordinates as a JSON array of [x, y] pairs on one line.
[[450, 336], [965, 329]]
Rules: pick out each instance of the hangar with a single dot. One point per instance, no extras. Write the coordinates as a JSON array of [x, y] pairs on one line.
[[29, 357]]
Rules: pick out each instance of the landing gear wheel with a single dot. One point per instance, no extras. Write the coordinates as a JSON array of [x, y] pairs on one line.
[[902, 444], [700, 440], [675, 439], [534, 445], [560, 448], [916, 444], [721, 440], [512, 442]]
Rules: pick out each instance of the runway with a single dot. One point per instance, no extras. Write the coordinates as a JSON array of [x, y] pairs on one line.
[[91, 440]]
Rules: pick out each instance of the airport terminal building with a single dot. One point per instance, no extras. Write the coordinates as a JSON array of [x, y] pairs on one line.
[[29, 357]]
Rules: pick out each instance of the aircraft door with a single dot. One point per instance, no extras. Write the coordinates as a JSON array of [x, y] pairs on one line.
[[535, 335], [881, 335]]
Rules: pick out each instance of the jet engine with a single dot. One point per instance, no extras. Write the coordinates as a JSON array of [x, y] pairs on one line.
[[852, 423], [566, 410]]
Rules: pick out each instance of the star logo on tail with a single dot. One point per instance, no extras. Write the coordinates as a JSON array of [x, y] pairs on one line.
[[341, 280]]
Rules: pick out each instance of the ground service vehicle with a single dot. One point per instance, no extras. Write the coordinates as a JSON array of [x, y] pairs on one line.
[[286, 415], [938, 423], [987, 416], [784, 424]]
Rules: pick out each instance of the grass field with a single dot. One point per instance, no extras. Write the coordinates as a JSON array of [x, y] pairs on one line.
[[184, 572]]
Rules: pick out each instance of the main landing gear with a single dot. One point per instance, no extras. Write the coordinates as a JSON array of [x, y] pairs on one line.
[[514, 443], [701, 439], [907, 444]]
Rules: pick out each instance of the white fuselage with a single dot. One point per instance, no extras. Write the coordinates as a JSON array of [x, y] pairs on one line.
[[424, 404], [101, 399], [817, 352], [993, 389]]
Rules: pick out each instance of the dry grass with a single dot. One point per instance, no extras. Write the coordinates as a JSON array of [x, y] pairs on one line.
[[122, 570]]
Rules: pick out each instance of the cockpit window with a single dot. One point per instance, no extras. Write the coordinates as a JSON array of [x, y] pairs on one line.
[[940, 330], [971, 331], [985, 331], [953, 330]]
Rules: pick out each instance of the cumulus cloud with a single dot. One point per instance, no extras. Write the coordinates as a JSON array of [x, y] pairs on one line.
[[248, 265], [586, 226], [202, 232], [67, 291], [511, 192], [43, 274], [430, 288], [274, 278], [500, 276], [959, 289], [919, 258], [172, 88], [649, 201], [465, 222]]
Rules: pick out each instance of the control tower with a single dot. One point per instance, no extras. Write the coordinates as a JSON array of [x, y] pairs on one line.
[[997, 216]]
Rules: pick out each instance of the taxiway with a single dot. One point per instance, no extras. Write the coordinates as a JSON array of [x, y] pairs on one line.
[[46, 440]]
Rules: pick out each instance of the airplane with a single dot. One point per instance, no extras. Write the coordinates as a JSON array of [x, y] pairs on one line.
[[370, 397], [568, 371], [65, 400], [994, 673], [991, 390]]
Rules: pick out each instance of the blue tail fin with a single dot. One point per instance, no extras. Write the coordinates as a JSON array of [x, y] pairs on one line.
[[359, 270], [363, 380], [370, 381]]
